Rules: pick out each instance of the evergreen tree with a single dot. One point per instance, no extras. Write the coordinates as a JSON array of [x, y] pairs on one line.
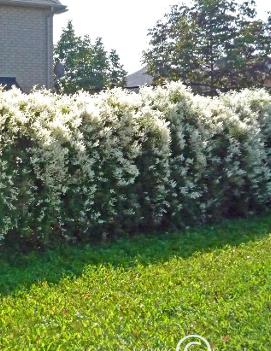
[[67, 52], [117, 73], [100, 64], [87, 66]]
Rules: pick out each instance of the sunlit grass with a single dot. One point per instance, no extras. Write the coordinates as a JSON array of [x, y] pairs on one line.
[[143, 293]]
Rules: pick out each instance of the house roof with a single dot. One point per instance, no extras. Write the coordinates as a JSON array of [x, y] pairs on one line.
[[55, 4], [138, 79]]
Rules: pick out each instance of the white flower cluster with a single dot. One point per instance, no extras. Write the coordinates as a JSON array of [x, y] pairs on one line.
[[81, 165]]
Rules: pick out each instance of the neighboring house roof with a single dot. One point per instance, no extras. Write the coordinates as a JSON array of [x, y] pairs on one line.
[[141, 77], [55, 4], [138, 79], [8, 82]]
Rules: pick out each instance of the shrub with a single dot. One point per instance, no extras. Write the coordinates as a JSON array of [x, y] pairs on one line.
[[80, 166]]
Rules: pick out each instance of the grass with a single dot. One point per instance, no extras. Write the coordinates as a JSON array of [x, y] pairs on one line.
[[144, 293]]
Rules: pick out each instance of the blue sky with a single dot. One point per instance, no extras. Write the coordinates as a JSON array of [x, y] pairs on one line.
[[123, 24]]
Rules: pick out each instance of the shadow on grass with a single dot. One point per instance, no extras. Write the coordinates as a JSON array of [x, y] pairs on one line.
[[18, 271]]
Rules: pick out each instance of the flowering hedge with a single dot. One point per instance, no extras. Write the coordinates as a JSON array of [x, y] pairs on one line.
[[79, 166]]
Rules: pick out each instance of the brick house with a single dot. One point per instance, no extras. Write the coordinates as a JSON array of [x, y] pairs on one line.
[[26, 42]]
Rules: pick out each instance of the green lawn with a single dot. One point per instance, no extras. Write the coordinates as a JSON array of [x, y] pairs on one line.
[[143, 294]]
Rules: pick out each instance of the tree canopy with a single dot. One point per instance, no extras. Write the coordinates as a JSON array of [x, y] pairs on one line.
[[211, 45], [88, 65]]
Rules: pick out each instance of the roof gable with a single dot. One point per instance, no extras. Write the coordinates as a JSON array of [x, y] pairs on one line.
[[139, 78]]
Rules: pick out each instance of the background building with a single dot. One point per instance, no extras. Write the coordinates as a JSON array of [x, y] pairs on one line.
[[26, 42], [138, 79]]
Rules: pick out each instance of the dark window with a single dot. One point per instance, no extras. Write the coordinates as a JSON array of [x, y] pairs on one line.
[[9, 82]]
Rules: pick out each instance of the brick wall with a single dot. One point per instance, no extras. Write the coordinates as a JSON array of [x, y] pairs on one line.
[[26, 45]]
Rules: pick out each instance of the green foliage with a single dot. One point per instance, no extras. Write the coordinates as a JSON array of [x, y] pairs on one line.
[[211, 45], [82, 166], [87, 66], [142, 293], [117, 74]]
